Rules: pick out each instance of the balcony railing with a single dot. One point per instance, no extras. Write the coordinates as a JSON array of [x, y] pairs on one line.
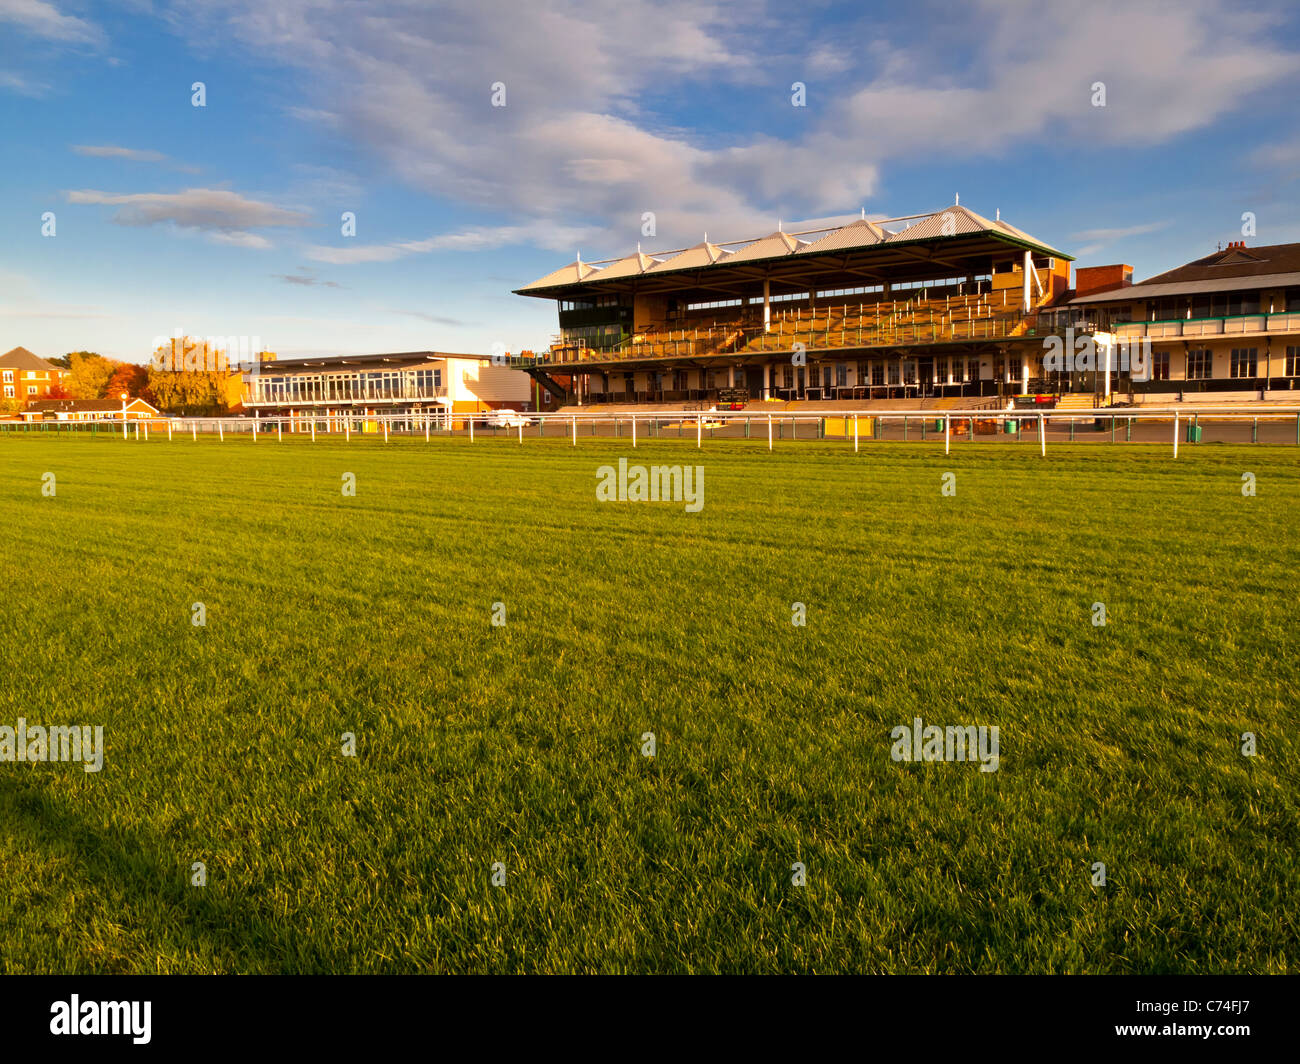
[[1188, 328]]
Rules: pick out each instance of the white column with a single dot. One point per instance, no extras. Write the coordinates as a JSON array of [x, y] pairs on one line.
[[767, 305], [1029, 266]]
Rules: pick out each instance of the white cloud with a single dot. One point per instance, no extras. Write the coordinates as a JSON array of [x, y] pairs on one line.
[[44, 20], [224, 216], [114, 151], [575, 149]]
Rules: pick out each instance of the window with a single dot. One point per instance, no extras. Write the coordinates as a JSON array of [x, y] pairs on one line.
[[1293, 361], [710, 380], [841, 375], [31, 389], [894, 373], [787, 377], [9, 391], [1244, 361], [715, 303], [1200, 364], [877, 373], [1013, 367], [9, 375], [1160, 365]]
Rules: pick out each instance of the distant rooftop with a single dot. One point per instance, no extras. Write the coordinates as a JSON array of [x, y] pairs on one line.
[[1229, 269]]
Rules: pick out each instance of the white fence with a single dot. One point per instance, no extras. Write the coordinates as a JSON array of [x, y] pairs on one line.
[[1281, 424]]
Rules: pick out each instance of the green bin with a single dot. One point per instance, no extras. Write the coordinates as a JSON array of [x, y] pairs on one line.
[[938, 424], [1193, 433], [1010, 426]]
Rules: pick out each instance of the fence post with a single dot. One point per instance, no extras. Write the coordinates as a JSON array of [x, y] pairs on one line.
[[520, 426], [471, 428], [947, 434], [194, 431], [769, 431], [904, 429], [169, 430], [313, 430], [1254, 431], [1112, 428], [1042, 436], [575, 430], [699, 431], [279, 431], [634, 430], [221, 431], [1175, 433], [426, 428], [855, 433]]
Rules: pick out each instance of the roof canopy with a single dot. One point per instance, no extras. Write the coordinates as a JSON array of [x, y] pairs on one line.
[[947, 243]]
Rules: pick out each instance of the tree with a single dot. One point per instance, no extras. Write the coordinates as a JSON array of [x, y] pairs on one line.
[[61, 360], [88, 375], [129, 378]]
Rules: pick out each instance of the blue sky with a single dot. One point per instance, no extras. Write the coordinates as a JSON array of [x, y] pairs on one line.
[[224, 220]]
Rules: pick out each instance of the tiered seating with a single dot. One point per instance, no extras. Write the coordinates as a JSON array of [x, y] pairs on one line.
[[840, 325]]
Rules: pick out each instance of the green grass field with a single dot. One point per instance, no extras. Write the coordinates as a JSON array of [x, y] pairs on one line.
[[521, 744]]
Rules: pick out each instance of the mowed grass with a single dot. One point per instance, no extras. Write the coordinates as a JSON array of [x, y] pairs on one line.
[[522, 744]]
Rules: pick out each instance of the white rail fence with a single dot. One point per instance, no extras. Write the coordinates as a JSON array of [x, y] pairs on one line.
[[1282, 425]]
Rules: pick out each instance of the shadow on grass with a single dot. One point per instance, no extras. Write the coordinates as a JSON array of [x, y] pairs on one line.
[[112, 877]]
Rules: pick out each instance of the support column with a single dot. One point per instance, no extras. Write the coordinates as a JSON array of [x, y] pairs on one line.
[[767, 305], [1028, 269]]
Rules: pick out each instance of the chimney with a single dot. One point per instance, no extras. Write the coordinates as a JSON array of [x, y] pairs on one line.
[[1088, 279]]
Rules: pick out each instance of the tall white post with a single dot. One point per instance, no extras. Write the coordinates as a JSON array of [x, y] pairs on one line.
[[521, 430], [1175, 433], [947, 434], [221, 431], [1029, 268], [313, 430], [769, 432], [855, 433], [575, 430], [169, 430], [471, 428], [1042, 435], [699, 431], [767, 305], [633, 430], [279, 431], [194, 431]]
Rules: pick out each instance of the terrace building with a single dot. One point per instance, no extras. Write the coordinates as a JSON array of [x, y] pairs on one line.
[[940, 304], [404, 383], [1226, 323]]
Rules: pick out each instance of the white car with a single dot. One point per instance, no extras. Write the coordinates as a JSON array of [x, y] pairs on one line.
[[507, 419]]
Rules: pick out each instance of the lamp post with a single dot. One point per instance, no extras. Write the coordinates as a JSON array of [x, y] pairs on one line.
[[124, 397]]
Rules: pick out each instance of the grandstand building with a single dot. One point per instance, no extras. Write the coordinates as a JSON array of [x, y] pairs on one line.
[[943, 304], [1228, 323]]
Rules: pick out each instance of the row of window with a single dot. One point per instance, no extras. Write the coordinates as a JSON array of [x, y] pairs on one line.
[[590, 302], [1221, 305], [28, 375], [9, 390], [361, 385]]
